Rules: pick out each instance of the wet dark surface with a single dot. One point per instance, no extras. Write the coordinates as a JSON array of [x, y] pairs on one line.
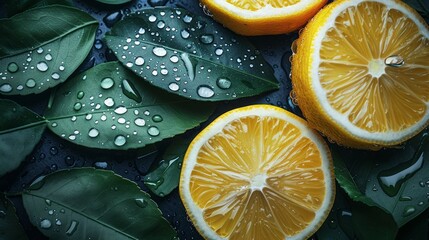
[[53, 153]]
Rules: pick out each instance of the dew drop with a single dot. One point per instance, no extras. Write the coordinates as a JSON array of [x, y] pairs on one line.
[[93, 133], [77, 106], [58, 222], [207, 38], [107, 83], [185, 34], [140, 122], [218, 51], [55, 76], [121, 110], [157, 118], [188, 64], [187, 18], [141, 31], [42, 66], [139, 61], [109, 102], [102, 165], [160, 24], [141, 202], [39, 50], [205, 91], [61, 68], [88, 116], [112, 18], [159, 51], [153, 131], [72, 228], [48, 57], [6, 88], [223, 83], [48, 202], [409, 210], [394, 61], [98, 44], [120, 140], [152, 18], [173, 86], [80, 94], [12, 67], [129, 90], [174, 59], [45, 224]]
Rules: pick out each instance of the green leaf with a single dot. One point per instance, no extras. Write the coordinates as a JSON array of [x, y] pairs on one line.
[[20, 131], [43, 47], [113, 2], [13, 7], [93, 204], [10, 228], [109, 107], [165, 174], [349, 220], [190, 55], [394, 180]]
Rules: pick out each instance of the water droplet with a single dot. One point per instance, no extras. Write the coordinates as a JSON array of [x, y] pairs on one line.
[[188, 64], [205, 91], [93, 132], [139, 61], [69, 160], [31, 83], [391, 180], [72, 228], [408, 210], [174, 59], [107, 83], [223, 83], [187, 18], [120, 140], [39, 50], [140, 122], [80, 94], [77, 106], [152, 18], [160, 24], [48, 202], [6, 88], [121, 110], [58, 222], [45, 224], [207, 38], [61, 68], [51, 212], [38, 183], [185, 34], [88, 116], [141, 31], [394, 61], [129, 90], [157, 118], [55, 76], [53, 151], [48, 57], [102, 165], [153, 131], [159, 51], [141, 202], [218, 51], [112, 18], [109, 102], [173, 86], [12, 67], [42, 66]]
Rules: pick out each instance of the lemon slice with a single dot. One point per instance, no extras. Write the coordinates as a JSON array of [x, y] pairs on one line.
[[257, 172], [361, 73], [263, 17]]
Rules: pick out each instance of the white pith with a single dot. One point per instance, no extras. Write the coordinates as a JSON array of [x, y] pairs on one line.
[[258, 181], [339, 118]]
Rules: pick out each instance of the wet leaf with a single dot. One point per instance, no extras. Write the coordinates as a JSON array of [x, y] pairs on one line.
[[113, 2], [394, 180], [165, 173], [97, 204], [349, 220], [190, 55], [20, 131], [10, 228], [43, 47], [13, 7], [109, 107], [417, 229]]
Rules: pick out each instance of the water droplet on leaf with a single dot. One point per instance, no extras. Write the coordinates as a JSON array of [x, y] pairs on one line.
[[107, 83], [120, 140], [139, 61], [173, 86], [205, 91], [72, 228], [77, 106], [121, 110], [42, 66], [157, 118], [109, 102], [31, 83], [207, 38], [12, 67], [141, 202], [6, 88], [45, 224], [159, 51], [93, 132], [153, 131], [223, 83], [129, 90], [185, 34]]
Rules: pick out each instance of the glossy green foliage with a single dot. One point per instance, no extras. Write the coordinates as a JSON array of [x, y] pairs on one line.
[[10, 228]]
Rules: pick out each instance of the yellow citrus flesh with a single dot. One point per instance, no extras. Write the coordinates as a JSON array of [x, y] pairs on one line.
[[361, 73], [263, 17], [257, 172]]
